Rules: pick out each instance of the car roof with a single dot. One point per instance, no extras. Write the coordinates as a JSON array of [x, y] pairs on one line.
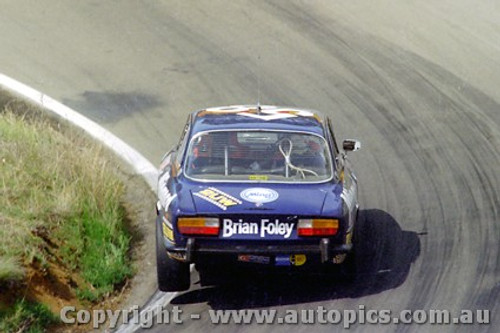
[[262, 117]]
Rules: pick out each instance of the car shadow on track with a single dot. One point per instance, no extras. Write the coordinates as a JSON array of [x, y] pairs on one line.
[[385, 255]]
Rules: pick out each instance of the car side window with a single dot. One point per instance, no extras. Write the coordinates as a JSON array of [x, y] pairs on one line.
[[332, 136], [337, 160], [181, 147]]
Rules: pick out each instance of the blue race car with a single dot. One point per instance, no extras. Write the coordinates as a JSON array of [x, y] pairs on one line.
[[254, 186]]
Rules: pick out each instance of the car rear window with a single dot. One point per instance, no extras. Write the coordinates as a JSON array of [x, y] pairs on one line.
[[253, 155]]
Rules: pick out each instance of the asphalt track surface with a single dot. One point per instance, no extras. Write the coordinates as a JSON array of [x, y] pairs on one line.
[[416, 82]]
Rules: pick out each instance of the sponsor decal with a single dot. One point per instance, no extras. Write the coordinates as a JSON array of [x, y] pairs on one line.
[[254, 259], [289, 260], [350, 198], [228, 109], [167, 229], [267, 112], [266, 227], [341, 176], [218, 198], [258, 177], [168, 232], [164, 195], [348, 238], [259, 195], [298, 259], [282, 260]]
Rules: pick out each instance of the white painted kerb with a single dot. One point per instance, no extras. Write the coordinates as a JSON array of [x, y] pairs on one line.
[[138, 162]]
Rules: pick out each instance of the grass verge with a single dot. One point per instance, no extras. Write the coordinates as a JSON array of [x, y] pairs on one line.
[[61, 216], [26, 317]]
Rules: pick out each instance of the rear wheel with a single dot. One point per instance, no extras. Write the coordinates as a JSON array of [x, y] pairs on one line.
[[361, 262], [173, 275], [377, 241]]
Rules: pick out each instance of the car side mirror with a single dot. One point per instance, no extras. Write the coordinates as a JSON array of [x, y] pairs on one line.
[[351, 145]]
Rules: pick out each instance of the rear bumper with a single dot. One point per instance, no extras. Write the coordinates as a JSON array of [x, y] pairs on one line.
[[196, 250]]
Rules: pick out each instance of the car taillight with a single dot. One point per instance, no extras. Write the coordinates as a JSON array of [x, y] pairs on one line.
[[198, 226], [317, 227]]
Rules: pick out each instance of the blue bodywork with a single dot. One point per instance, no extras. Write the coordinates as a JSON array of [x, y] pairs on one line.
[[247, 225]]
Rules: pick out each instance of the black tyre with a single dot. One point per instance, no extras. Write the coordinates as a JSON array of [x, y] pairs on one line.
[[365, 257], [173, 275], [377, 241]]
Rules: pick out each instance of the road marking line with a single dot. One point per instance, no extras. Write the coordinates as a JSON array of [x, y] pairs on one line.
[[132, 157]]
